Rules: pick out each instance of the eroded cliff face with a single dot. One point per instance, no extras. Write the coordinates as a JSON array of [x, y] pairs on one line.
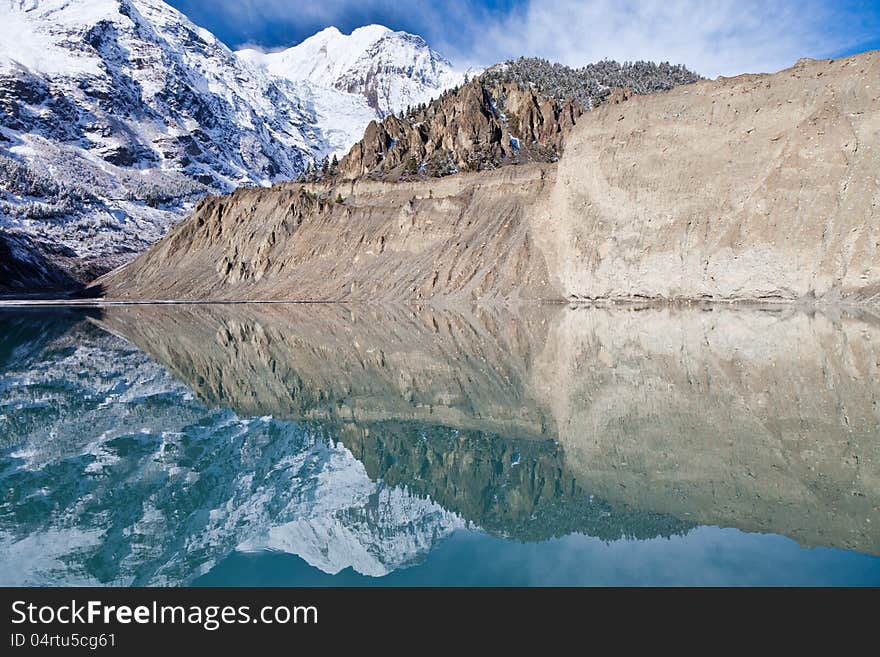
[[755, 187], [463, 237], [762, 419]]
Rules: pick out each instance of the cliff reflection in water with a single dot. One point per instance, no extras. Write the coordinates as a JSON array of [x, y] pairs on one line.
[[757, 419], [358, 436]]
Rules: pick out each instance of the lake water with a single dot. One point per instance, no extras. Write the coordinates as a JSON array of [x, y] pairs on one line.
[[385, 446]]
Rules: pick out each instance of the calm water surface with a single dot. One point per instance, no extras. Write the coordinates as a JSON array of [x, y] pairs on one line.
[[335, 445]]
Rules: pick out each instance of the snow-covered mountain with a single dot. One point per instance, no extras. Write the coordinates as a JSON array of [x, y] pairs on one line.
[[116, 115], [391, 70]]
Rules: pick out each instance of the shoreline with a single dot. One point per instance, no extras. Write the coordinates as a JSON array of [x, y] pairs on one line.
[[864, 309]]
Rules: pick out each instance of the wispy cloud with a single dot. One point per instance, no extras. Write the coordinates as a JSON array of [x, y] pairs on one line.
[[715, 38], [720, 37]]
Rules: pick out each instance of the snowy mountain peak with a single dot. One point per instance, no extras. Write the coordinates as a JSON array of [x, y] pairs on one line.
[[372, 32], [116, 115], [391, 70]]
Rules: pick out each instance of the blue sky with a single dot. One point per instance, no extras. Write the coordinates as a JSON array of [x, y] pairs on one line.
[[714, 37]]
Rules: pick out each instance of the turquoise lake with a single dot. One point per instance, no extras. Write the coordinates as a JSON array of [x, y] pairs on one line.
[[336, 445]]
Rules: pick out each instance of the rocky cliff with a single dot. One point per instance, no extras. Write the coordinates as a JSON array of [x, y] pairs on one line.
[[459, 237], [515, 112], [477, 127], [755, 187]]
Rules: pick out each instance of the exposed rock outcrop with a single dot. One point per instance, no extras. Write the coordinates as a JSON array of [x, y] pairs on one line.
[[515, 112], [477, 127], [755, 187], [27, 265]]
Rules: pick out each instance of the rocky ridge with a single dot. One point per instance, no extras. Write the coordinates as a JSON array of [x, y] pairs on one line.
[[759, 187], [472, 128], [515, 112]]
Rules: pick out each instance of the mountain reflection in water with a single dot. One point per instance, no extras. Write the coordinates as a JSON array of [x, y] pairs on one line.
[[151, 444]]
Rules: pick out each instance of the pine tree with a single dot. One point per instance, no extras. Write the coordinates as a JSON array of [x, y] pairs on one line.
[[591, 84]]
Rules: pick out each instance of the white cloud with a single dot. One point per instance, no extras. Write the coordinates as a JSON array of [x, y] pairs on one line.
[[724, 37], [713, 37]]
